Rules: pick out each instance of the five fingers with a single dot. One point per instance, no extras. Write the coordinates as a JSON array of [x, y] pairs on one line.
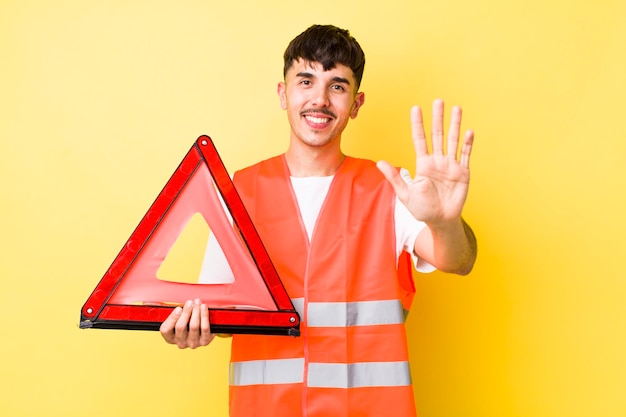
[[437, 133], [188, 326]]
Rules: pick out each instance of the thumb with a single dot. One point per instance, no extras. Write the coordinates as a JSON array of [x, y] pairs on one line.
[[394, 178], [167, 327]]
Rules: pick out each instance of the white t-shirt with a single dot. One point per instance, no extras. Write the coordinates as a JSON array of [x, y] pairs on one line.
[[310, 194]]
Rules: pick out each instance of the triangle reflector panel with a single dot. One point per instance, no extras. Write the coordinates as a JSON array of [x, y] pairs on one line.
[[250, 299]]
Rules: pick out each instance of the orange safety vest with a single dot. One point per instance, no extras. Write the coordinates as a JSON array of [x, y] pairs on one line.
[[352, 357]]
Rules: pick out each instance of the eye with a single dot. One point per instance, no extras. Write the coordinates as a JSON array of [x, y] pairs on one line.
[[305, 82], [337, 87]]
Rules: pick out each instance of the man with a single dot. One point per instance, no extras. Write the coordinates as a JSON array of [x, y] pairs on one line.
[[335, 234]]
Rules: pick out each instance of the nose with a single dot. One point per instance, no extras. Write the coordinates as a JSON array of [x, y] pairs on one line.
[[319, 96]]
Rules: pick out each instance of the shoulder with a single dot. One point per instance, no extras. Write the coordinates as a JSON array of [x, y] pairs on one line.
[[359, 167], [274, 163], [362, 176], [260, 164], [366, 170]]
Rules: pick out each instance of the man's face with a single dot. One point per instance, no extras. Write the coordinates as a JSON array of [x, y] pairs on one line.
[[319, 103]]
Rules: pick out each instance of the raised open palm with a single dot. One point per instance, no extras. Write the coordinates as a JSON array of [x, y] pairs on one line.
[[439, 190]]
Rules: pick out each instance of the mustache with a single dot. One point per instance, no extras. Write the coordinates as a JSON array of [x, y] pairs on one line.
[[318, 111]]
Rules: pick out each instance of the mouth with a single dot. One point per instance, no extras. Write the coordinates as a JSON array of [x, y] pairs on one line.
[[318, 117], [317, 120]]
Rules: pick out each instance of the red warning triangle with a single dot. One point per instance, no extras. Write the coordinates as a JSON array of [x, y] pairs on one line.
[[131, 296]]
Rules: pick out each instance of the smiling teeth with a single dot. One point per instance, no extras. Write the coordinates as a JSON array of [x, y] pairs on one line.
[[318, 120]]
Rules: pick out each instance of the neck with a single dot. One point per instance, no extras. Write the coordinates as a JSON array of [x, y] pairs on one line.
[[313, 162]]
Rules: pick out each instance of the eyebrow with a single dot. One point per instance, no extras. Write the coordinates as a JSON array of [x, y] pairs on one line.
[[335, 79]]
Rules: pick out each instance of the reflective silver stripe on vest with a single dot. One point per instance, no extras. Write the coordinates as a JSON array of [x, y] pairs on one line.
[[275, 371], [298, 304], [363, 374], [359, 313], [321, 375]]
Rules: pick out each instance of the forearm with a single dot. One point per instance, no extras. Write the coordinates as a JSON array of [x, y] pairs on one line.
[[450, 247]]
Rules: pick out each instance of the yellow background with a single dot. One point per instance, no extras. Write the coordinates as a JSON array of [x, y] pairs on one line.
[[100, 100]]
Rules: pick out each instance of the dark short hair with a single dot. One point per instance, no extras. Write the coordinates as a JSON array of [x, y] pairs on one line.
[[328, 45]]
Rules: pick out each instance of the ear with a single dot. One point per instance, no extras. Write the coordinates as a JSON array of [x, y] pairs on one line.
[[359, 100], [282, 94]]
